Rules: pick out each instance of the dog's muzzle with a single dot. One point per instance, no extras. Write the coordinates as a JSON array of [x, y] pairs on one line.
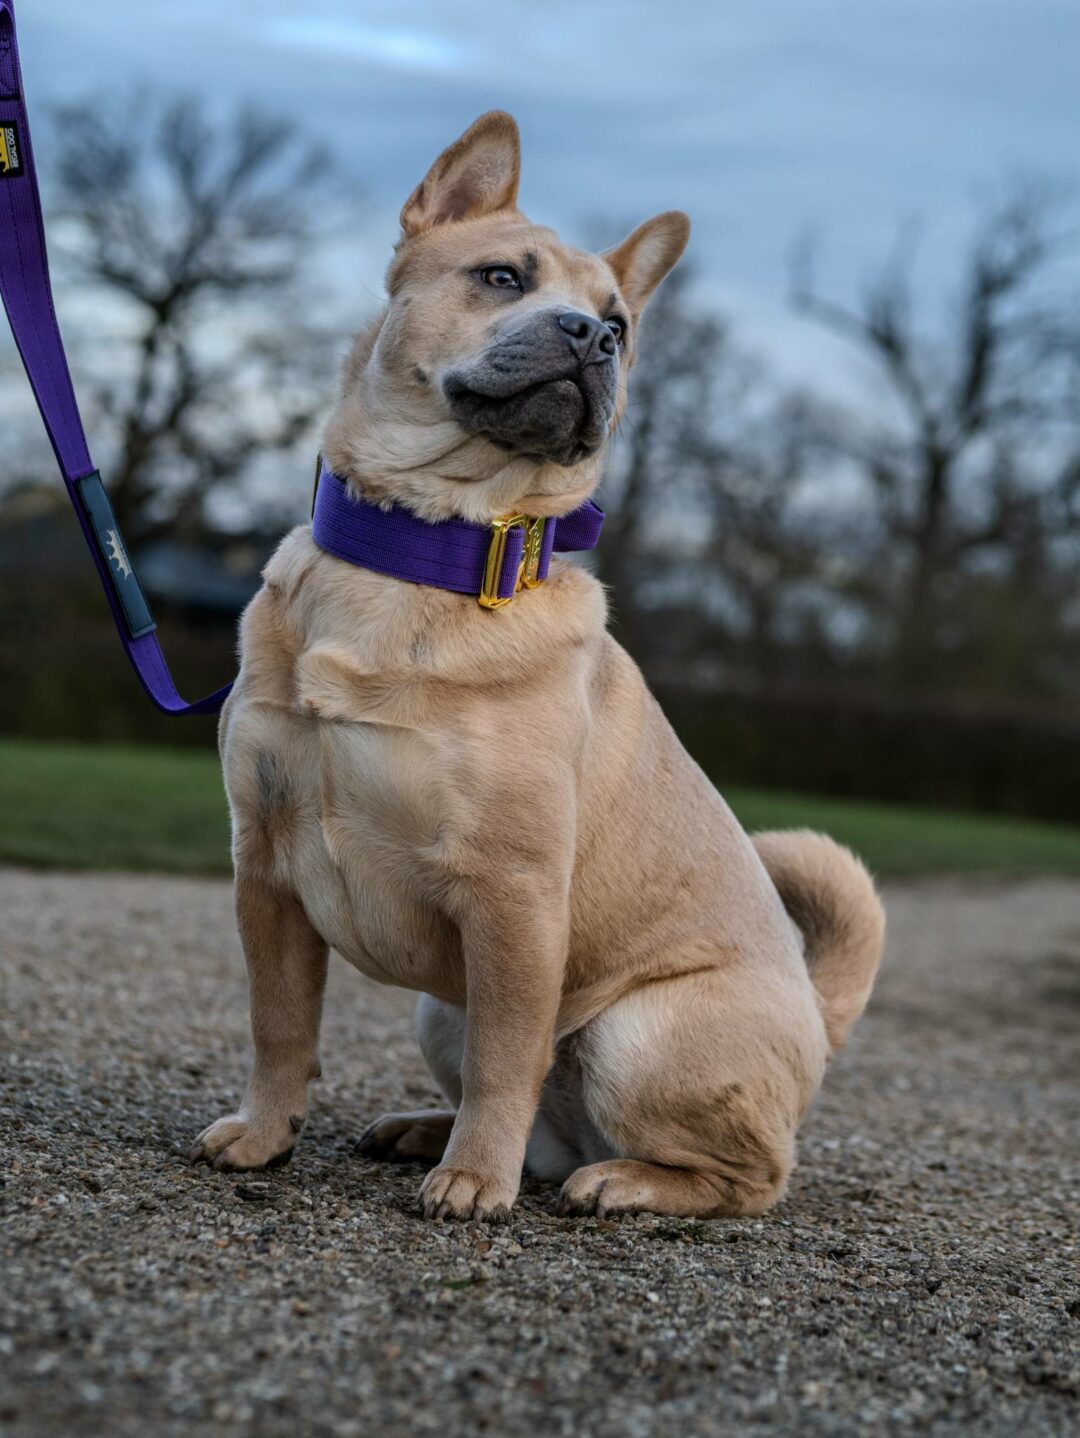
[[547, 389]]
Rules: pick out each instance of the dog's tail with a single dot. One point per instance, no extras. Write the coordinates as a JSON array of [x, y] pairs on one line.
[[832, 900]]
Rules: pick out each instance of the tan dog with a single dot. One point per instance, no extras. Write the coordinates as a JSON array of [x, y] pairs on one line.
[[489, 807]]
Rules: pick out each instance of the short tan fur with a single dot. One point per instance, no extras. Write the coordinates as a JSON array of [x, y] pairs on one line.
[[618, 986]]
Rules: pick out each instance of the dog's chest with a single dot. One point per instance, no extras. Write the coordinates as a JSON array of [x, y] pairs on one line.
[[369, 869]]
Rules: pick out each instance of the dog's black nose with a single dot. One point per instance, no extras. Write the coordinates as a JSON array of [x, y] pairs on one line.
[[587, 334]]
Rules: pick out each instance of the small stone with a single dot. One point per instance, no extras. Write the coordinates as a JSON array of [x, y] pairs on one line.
[[254, 1191]]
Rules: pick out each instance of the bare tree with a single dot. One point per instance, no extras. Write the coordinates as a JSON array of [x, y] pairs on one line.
[[979, 476], [774, 550], [689, 382], [184, 239], [712, 557]]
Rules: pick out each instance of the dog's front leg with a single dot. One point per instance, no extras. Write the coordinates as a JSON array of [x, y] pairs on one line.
[[514, 948], [286, 962]]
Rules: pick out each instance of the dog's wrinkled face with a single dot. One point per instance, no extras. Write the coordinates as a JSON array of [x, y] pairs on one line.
[[525, 339], [501, 349], [544, 380]]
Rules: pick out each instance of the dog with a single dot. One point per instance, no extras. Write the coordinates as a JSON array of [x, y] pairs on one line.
[[619, 989]]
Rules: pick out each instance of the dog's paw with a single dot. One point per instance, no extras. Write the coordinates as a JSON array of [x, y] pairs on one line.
[[404, 1137], [449, 1192], [236, 1142], [602, 1189]]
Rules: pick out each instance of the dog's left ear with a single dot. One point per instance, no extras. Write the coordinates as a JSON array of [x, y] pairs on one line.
[[644, 258], [477, 175]]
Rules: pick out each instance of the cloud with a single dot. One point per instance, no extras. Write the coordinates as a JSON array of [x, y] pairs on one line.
[[398, 47]]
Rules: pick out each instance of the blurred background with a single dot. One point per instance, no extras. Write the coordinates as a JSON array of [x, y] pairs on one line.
[[844, 533]]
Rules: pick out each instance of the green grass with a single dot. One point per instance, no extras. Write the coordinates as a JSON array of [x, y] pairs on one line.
[[90, 806], [897, 840], [109, 807]]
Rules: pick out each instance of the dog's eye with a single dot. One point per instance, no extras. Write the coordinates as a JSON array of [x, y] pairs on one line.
[[617, 325], [503, 277]]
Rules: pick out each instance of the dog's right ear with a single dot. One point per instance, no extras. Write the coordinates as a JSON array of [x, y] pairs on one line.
[[477, 175]]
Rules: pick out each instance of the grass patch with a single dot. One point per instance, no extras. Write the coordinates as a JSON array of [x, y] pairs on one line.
[[91, 806], [896, 840], [83, 806]]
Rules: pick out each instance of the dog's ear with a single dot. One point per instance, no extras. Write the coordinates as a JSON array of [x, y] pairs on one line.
[[477, 175], [644, 258]]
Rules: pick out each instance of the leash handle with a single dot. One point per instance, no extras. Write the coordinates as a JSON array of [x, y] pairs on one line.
[[27, 297]]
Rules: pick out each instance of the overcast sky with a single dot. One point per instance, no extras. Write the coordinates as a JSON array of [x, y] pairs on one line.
[[760, 119]]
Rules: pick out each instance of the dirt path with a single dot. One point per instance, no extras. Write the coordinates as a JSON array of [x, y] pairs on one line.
[[920, 1276]]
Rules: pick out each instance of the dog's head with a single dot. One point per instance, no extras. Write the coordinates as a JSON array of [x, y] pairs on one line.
[[497, 373]]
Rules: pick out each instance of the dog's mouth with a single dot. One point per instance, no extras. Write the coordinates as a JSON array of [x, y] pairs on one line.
[[550, 419], [561, 417]]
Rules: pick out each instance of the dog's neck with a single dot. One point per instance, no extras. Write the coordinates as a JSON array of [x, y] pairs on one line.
[[385, 445]]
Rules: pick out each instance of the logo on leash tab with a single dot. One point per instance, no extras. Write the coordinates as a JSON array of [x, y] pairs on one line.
[[11, 164], [117, 554]]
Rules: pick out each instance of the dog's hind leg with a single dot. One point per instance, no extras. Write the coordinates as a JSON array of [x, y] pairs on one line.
[[419, 1135], [424, 1133], [697, 1083], [560, 1140], [440, 1029], [286, 962]]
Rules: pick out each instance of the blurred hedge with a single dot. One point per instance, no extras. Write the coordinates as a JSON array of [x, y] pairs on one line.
[[63, 674], [869, 747]]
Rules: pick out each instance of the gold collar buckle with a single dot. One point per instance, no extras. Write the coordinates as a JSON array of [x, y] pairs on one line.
[[528, 575]]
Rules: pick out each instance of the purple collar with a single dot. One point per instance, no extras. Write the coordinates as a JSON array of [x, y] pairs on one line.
[[491, 561]]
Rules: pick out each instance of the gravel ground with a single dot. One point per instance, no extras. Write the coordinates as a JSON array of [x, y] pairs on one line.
[[920, 1275]]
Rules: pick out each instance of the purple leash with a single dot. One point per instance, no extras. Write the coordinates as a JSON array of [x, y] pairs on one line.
[[489, 561], [27, 295]]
